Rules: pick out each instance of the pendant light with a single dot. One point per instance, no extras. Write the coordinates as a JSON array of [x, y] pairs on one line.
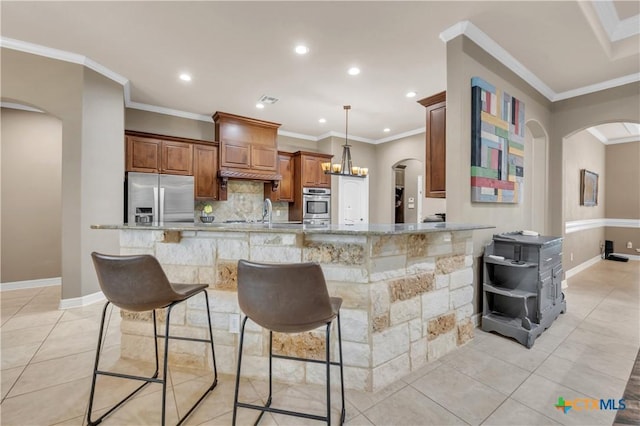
[[346, 165]]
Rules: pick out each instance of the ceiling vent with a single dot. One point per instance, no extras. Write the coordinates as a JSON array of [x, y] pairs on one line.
[[264, 99]]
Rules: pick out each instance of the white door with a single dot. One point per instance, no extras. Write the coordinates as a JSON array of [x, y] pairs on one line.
[[353, 200]]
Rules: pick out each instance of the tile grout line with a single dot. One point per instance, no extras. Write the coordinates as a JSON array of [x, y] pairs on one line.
[[36, 351]]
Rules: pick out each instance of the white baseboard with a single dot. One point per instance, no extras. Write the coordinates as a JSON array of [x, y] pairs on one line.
[[77, 302], [581, 267], [21, 285]]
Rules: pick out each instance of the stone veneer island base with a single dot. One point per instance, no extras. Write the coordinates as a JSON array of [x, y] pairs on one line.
[[407, 292]]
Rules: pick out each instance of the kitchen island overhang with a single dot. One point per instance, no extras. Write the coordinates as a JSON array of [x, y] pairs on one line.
[[407, 291]]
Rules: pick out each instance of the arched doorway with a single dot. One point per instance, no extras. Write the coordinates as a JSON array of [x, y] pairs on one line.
[[609, 150], [537, 182], [406, 196], [31, 225]]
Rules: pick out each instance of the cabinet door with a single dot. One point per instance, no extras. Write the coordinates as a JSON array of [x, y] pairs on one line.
[[235, 154], [353, 200], [177, 158], [436, 143], [264, 157], [143, 155], [436, 150], [285, 168], [324, 179], [310, 171], [205, 169]]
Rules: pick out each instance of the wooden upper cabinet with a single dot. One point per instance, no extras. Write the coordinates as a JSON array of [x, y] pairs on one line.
[[153, 155], [177, 158], [143, 154], [235, 155], [248, 147], [264, 157], [311, 174], [205, 171], [285, 188], [436, 145]]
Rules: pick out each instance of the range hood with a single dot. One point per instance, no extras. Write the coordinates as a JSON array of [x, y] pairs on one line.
[[248, 150]]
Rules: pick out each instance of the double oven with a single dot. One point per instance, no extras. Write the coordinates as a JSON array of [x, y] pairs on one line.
[[316, 206]]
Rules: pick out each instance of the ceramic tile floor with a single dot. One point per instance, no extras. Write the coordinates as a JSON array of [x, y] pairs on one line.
[[47, 357]]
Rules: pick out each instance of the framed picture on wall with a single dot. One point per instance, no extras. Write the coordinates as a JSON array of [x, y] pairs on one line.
[[588, 188]]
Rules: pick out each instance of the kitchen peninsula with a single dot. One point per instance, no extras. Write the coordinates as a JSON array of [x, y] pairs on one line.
[[407, 291]]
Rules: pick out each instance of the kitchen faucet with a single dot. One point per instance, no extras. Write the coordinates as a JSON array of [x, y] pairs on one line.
[[267, 210]]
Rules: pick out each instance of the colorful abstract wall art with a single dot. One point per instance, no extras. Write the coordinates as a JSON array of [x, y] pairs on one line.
[[497, 144]]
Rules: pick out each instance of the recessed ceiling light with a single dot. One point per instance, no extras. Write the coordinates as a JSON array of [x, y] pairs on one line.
[[411, 94], [185, 77], [301, 50], [386, 130], [322, 120], [259, 105], [354, 71]]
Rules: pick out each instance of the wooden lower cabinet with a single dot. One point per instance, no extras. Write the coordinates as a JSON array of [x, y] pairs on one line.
[[205, 172]]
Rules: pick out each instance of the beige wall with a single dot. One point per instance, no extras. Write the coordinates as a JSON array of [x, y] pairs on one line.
[[464, 61], [623, 194], [169, 125], [583, 151], [91, 110], [572, 115], [31, 196], [291, 144]]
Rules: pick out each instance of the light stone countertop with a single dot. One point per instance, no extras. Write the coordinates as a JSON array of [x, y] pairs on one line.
[[366, 229]]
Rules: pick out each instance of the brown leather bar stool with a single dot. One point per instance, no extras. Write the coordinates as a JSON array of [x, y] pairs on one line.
[[138, 283], [287, 298]]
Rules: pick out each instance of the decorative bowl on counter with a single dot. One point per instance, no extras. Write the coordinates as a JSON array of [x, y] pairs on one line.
[[207, 219]]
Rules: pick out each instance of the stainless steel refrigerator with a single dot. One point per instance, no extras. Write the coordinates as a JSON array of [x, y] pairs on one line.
[[153, 198]]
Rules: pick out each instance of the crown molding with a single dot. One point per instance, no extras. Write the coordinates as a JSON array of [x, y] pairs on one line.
[[297, 135], [472, 32], [615, 29], [12, 105], [609, 84], [627, 139], [61, 55], [465, 28], [479, 37], [401, 135]]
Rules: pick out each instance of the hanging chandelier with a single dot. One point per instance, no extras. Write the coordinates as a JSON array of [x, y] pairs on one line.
[[345, 167]]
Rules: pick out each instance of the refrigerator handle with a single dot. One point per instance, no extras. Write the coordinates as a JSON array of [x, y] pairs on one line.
[[162, 205], [156, 214]]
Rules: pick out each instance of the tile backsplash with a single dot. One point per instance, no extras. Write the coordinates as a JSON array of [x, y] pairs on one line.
[[244, 202]]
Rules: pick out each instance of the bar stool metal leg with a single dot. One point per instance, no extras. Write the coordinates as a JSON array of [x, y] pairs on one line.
[[328, 361], [235, 398], [154, 377], [342, 412], [267, 407], [96, 371]]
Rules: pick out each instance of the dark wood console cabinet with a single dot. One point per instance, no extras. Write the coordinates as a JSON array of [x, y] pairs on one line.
[[522, 285]]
